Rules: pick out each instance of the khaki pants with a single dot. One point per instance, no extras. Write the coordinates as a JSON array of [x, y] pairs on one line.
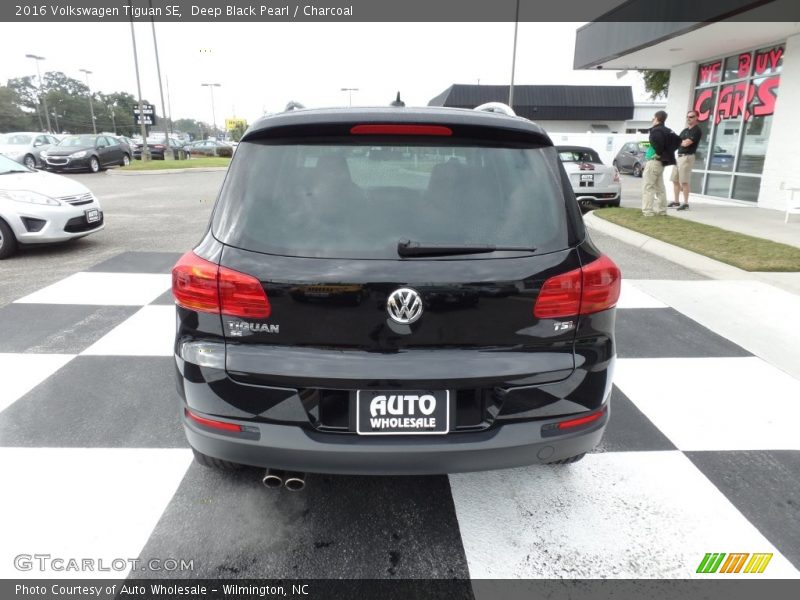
[[654, 194]]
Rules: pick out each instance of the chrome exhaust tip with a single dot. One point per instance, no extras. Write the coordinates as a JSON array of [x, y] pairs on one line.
[[273, 479], [295, 482]]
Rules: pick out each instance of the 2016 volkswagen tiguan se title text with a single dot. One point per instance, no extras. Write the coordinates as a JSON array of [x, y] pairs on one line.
[[394, 291]]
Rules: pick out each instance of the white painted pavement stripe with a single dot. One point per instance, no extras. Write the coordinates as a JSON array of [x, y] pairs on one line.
[[613, 515], [20, 373], [125, 289], [633, 297], [715, 403], [760, 318], [149, 332], [94, 503]]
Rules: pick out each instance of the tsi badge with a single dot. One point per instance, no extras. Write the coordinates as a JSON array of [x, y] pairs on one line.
[[242, 328]]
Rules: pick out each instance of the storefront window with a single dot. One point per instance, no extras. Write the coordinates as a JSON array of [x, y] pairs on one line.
[[738, 66], [718, 185], [746, 188], [735, 98]]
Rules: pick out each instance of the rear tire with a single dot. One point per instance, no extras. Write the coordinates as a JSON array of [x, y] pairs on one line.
[[8, 241], [614, 204], [637, 170], [215, 463], [568, 461], [29, 161], [94, 165], [126, 160]]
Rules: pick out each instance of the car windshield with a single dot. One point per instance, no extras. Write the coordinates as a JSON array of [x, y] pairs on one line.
[[354, 201], [77, 140], [10, 166], [578, 155], [15, 139]]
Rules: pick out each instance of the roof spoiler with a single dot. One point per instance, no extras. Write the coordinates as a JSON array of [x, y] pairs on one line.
[[497, 107]]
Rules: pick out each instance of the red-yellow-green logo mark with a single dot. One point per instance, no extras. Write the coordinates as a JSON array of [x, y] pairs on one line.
[[736, 562]]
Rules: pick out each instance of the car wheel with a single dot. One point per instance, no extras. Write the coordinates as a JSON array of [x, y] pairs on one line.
[[94, 165], [8, 242], [126, 160], [615, 165], [637, 170], [29, 161], [614, 204], [567, 461], [215, 463]]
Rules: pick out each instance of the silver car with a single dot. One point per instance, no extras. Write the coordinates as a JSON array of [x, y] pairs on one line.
[[26, 147], [37, 207], [594, 183]]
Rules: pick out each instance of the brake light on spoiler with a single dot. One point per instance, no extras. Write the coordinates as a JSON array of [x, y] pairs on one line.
[[394, 129], [589, 289], [200, 285]]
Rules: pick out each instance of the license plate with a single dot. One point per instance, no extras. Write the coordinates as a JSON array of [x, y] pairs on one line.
[[587, 177], [92, 215], [402, 412]]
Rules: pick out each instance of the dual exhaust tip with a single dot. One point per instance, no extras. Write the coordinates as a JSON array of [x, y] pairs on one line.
[[291, 480]]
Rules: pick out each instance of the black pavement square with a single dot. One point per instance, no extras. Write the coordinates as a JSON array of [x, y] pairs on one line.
[[57, 328], [337, 527], [99, 402], [165, 299], [666, 333], [764, 485], [629, 430], [138, 262]]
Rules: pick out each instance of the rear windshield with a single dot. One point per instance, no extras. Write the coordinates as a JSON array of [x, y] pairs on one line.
[[579, 155], [350, 201]]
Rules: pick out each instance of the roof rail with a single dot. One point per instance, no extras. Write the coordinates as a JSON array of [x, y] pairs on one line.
[[497, 107]]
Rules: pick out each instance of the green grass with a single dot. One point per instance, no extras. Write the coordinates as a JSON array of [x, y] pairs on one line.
[[192, 163], [743, 251]]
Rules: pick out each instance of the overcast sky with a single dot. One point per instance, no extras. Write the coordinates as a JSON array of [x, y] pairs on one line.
[[261, 66]]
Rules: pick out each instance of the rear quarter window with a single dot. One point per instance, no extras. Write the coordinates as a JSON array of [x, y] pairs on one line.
[[340, 200]]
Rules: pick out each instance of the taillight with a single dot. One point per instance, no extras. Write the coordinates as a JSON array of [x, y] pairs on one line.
[[200, 285], [583, 291], [388, 129], [223, 425]]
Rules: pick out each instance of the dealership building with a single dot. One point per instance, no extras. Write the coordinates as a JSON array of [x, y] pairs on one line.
[[741, 76]]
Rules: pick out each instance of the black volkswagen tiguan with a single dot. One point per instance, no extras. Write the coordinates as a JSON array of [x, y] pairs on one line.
[[394, 291]]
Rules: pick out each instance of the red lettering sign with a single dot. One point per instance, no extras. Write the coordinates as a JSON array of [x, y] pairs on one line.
[[768, 60], [732, 100], [704, 104], [766, 92], [744, 65], [710, 72]]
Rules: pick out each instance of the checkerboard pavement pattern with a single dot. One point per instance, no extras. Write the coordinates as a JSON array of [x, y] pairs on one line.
[[702, 454]]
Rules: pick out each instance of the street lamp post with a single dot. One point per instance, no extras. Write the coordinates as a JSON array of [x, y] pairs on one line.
[[350, 94], [91, 105], [211, 87], [513, 60], [42, 97]]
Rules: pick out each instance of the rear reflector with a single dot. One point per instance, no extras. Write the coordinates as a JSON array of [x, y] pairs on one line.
[[200, 285], [212, 423], [400, 130], [582, 420], [583, 291]]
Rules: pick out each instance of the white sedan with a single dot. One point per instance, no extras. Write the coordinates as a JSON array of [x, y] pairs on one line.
[[38, 208], [594, 183]]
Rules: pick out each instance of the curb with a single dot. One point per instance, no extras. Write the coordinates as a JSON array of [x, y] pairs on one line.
[[117, 172], [686, 258]]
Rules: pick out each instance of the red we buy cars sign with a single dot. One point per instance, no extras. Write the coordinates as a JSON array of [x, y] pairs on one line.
[[755, 98]]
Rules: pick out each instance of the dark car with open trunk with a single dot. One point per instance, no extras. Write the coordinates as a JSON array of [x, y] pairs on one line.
[[439, 310]]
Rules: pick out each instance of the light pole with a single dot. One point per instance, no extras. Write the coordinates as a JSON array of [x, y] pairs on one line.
[[350, 94], [42, 97], [513, 60], [160, 87], [211, 87], [91, 106], [142, 128]]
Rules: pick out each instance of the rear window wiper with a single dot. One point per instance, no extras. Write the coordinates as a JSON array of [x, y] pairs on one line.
[[411, 248]]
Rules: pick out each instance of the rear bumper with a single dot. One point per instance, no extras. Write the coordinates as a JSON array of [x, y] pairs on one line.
[[293, 448]]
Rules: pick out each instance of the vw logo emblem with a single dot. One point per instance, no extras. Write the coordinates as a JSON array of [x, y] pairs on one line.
[[404, 306]]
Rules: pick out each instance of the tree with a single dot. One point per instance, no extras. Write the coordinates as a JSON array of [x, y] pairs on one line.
[[12, 117], [656, 83], [26, 96], [238, 131]]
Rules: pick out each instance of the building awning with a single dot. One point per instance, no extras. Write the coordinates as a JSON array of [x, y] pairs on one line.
[[547, 102]]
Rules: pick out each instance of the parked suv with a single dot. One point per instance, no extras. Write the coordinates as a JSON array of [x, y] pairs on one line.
[[479, 327], [630, 158]]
